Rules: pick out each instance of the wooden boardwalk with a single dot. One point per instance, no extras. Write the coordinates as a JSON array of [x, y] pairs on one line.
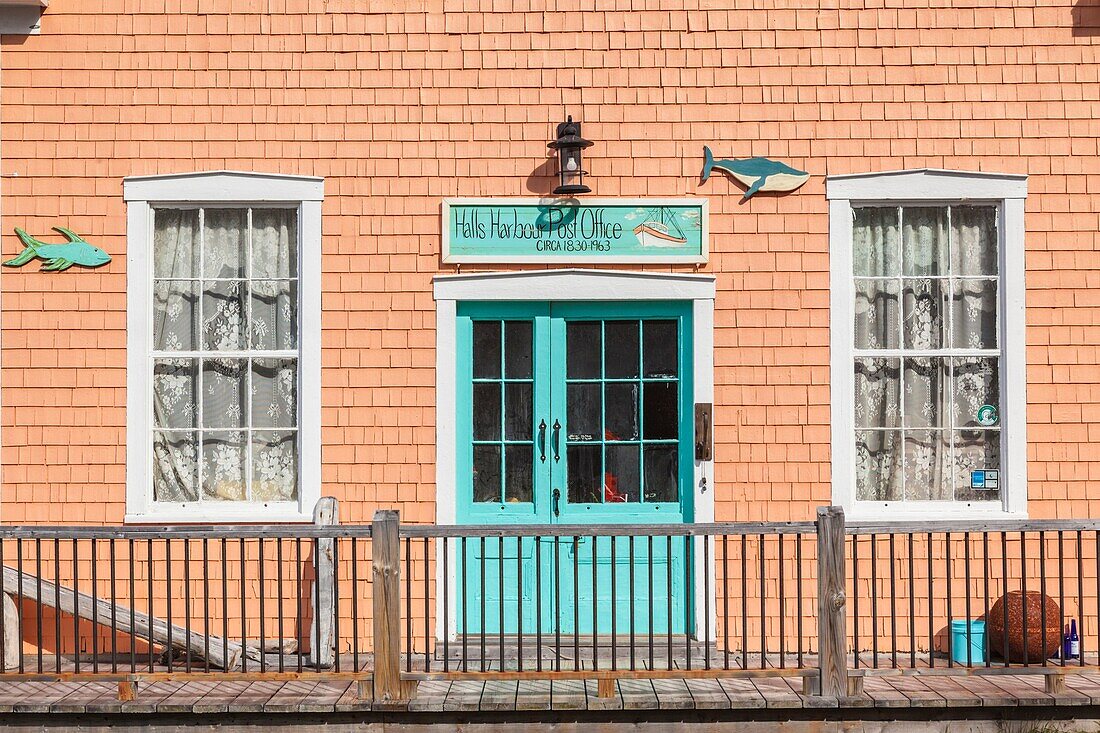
[[305, 696]]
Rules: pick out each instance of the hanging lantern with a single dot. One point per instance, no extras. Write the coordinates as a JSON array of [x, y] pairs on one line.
[[570, 169]]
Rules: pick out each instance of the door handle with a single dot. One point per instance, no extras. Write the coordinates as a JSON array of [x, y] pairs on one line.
[[542, 441], [557, 503], [557, 437]]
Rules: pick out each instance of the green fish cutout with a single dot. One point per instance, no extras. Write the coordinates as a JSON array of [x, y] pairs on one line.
[[59, 257]]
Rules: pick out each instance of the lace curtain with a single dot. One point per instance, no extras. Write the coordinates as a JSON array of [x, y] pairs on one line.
[[225, 426], [925, 281]]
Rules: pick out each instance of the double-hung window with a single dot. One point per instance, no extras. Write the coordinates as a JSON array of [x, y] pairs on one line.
[[223, 347], [927, 343]]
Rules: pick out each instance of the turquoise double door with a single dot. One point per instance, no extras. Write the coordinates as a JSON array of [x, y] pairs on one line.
[[568, 414]]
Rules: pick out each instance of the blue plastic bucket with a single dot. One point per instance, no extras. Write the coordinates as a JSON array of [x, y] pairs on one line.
[[959, 641]]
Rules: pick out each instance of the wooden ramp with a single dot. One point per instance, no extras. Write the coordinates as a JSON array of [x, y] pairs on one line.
[[221, 653]]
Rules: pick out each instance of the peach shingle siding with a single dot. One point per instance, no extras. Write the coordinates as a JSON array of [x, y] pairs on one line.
[[411, 102]]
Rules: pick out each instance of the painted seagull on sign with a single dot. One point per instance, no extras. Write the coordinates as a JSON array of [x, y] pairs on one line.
[[759, 174], [59, 256]]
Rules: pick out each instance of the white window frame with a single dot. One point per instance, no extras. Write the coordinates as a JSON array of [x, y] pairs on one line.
[[143, 194], [929, 187]]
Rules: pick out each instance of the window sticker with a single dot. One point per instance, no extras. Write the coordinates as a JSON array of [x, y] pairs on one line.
[[987, 416]]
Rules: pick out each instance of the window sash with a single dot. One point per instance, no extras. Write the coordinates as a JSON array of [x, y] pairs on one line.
[[247, 430]]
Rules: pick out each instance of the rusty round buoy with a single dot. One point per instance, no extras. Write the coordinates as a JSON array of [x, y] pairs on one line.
[[1017, 606]]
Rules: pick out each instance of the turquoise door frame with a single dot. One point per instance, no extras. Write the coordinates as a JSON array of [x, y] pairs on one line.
[[573, 473]]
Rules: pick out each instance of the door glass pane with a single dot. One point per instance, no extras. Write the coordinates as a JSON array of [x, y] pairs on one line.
[[622, 411], [585, 474], [487, 411], [486, 349], [659, 349], [623, 349], [518, 473], [486, 473], [621, 478], [661, 473], [583, 411], [660, 413], [582, 349], [518, 410], [517, 349]]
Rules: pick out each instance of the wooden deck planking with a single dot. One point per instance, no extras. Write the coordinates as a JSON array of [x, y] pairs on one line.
[[568, 695], [882, 694], [742, 693], [707, 694], [777, 693], [988, 694], [533, 695], [919, 695], [638, 694], [595, 702]]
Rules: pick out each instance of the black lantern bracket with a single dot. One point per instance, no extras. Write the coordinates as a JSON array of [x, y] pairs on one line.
[[569, 145]]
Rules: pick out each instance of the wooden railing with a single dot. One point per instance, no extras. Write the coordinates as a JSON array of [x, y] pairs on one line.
[[389, 605]]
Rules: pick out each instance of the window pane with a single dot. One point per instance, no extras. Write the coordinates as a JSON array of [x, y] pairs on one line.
[[517, 349], [974, 314], [622, 411], [224, 244], [175, 392], [925, 397], [977, 450], [583, 347], [518, 411], [487, 349], [487, 473], [878, 393], [274, 465], [223, 315], [273, 323], [659, 411], [223, 466], [875, 242], [487, 411], [661, 473], [977, 383], [519, 473], [176, 243], [923, 307], [927, 468], [175, 315], [876, 325], [623, 349], [924, 241], [175, 466], [274, 393], [274, 243], [621, 478], [583, 411], [660, 349], [223, 399], [585, 474], [878, 465], [974, 241]]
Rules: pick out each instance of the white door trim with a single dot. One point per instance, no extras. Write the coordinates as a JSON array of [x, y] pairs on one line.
[[564, 286]]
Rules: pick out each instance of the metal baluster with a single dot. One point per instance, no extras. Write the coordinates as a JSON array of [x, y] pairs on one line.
[[576, 604], [706, 601], [519, 606], [446, 620], [300, 628], [782, 614], [483, 587], [335, 604], [95, 611], [149, 618], [1023, 588], [57, 601], [38, 594], [114, 608], [668, 588], [893, 606], [244, 612], [133, 606], [744, 603], [20, 621], [763, 616], [931, 606], [874, 601], [689, 547], [278, 593], [427, 597], [465, 608], [1061, 597], [168, 601], [650, 624], [408, 606], [966, 595], [595, 607], [855, 599], [538, 603], [500, 614], [798, 591], [912, 607], [633, 599], [950, 572], [206, 605], [1004, 589], [614, 605], [1080, 602], [262, 592], [187, 606], [1042, 592], [985, 578], [726, 600], [225, 591], [557, 604]]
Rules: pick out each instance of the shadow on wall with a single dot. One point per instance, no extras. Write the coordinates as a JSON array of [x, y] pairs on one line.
[[1086, 18], [543, 178]]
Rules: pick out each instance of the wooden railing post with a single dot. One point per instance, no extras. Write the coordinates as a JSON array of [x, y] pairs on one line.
[[831, 580], [386, 587], [321, 643]]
